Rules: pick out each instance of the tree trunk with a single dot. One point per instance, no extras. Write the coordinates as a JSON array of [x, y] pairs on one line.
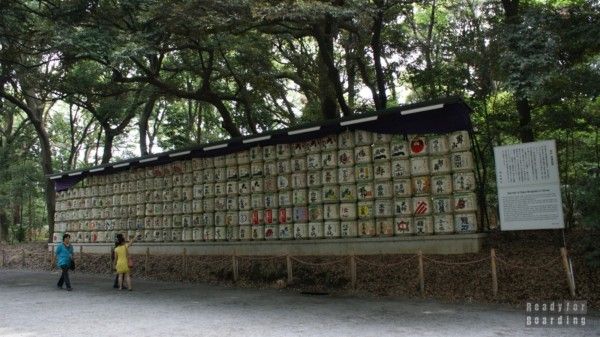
[[46, 162], [377, 51], [3, 226], [143, 125], [525, 127], [108, 144]]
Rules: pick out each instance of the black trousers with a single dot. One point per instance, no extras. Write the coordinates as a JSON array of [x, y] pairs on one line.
[[64, 278]]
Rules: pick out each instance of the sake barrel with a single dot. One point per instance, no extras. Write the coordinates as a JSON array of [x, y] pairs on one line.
[[418, 145], [208, 175], [313, 161], [419, 166], [421, 206], [187, 194], [219, 161], [187, 235], [233, 233], [300, 214], [381, 138], [329, 177], [345, 157], [285, 198], [364, 172], [463, 182], [271, 232], [315, 212], [257, 217], [209, 190], [442, 204], [329, 142], [257, 168], [284, 182], [176, 235], [401, 168], [208, 219], [362, 154], [347, 211], [245, 232], [299, 149], [465, 223], [383, 189], [459, 141], [300, 231], [167, 235], [271, 200], [384, 226], [168, 182], [188, 180], [315, 230], [441, 184], [331, 194], [363, 137], [198, 191], [220, 233], [258, 232], [399, 149], [286, 215], [331, 229], [331, 211], [232, 172], [177, 221], [383, 208], [313, 179], [403, 225], [365, 209], [402, 188], [347, 192], [244, 202], [403, 207], [286, 231], [299, 197], [462, 161], [269, 152], [382, 170], [197, 220], [283, 151], [440, 165], [298, 180], [197, 164], [270, 184], [365, 191], [197, 234], [348, 229], [329, 159], [284, 166], [438, 144], [465, 202], [314, 146], [244, 218], [270, 169], [381, 152], [423, 225], [220, 203], [243, 157], [209, 233], [443, 224], [256, 185], [231, 219], [177, 180], [256, 154], [315, 195], [270, 216], [244, 171], [366, 228], [298, 165], [421, 185], [232, 203], [208, 204], [167, 194], [346, 140], [167, 222]]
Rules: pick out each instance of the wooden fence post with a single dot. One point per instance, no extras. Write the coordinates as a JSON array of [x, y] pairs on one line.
[[494, 274], [234, 266], [421, 274], [353, 271], [570, 281], [290, 276], [146, 262]]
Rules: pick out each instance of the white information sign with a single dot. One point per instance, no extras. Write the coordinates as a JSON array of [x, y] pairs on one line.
[[529, 186]]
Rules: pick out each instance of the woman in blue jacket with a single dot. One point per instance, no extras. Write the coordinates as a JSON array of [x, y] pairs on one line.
[[64, 257]]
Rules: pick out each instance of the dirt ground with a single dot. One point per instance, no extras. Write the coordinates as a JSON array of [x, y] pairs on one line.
[[31, 305]]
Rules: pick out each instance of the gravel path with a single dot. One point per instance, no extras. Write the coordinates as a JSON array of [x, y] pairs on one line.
[[31, 305]]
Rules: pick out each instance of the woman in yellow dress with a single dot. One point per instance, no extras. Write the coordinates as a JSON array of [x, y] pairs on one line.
[[122, 261]]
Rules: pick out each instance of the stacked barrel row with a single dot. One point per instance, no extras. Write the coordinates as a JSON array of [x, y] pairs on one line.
[[355, 184]]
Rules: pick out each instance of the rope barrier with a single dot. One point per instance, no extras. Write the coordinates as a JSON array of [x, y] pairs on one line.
[[268, 258], [455, 263], [319, 264], [542, 267], [408, 259]]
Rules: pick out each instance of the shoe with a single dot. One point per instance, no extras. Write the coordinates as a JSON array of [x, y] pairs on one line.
[[69, 289], [59, 287]]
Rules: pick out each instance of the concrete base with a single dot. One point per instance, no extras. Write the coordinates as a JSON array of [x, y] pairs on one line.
[[431, 244]]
